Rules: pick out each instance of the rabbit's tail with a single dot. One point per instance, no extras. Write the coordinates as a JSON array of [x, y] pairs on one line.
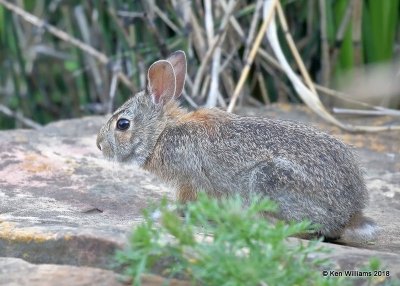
[[361, 228]]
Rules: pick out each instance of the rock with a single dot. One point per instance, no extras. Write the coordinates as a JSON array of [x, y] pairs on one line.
[[62, 203], [15, 271], [352, 258]]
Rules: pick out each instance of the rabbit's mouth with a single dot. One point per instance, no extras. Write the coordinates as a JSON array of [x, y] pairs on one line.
[[107, 150]]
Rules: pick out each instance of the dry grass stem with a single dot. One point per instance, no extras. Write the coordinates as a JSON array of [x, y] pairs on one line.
[[166, 20], [253, 26], [214, 43], [309, 96], [366, 112], [263, 88], [251, 56], [25, 121], [294, 50], [92, 47], [102, 58]]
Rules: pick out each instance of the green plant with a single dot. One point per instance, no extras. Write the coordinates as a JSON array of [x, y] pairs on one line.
[[46, 78], [369, 34], [380, 22], [222, 243]]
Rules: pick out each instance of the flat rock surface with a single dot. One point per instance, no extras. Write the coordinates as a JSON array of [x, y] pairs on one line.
[[62, 203], [17, 272]]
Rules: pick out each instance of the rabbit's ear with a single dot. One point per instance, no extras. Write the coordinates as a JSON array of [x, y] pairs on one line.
[[178, 61], [161, 81]]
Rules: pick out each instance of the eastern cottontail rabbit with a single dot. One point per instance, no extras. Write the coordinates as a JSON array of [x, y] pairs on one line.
[[310, 174]]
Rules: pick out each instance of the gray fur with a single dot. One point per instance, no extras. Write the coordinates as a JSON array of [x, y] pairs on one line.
[[310, 174]]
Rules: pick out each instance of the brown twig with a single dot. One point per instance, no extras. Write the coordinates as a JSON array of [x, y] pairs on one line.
[[252, 29], [217, 39], [252, 55], [234, 23], [295, 52]]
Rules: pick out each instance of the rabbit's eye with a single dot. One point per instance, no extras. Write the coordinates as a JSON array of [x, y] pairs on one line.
[[123, 124]]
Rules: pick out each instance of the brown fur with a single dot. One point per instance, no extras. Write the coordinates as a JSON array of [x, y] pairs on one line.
[[186, 194], [198, 116]]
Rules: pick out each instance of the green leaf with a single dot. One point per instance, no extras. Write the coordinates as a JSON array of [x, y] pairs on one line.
[[238, 246]]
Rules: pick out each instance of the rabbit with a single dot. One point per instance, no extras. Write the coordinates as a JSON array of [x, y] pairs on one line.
[[309, 174]]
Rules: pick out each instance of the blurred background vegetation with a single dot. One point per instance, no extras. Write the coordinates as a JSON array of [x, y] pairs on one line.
[[45, 77]]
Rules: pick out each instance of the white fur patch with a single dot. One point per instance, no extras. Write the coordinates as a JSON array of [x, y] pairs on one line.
[[365, 232]]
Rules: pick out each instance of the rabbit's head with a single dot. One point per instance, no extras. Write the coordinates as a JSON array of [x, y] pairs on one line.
[[132, 131]]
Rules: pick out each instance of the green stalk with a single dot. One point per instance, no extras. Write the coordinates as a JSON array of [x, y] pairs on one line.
[[346, 60], [379, 29], [2, 24]]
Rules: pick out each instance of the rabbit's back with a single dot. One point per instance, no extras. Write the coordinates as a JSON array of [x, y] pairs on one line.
[[310, 174], [234, 143]]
